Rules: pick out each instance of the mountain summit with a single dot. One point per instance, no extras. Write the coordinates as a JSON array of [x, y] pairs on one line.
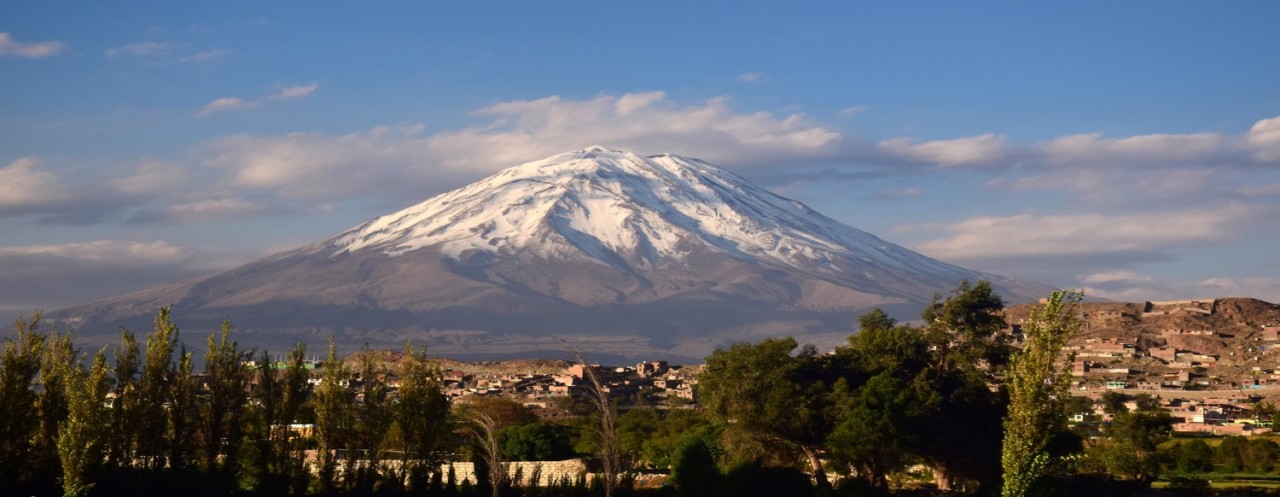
[[637, 256]]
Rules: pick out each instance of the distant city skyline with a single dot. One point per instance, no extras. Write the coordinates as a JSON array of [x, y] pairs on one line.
[[1131, 149]]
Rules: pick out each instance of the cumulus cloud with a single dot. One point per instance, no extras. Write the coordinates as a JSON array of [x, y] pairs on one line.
[[139, 49], [1264, 140], [226, 103], [980, 150], [24, 187], [28, 50], [237, 103], [402, 158]]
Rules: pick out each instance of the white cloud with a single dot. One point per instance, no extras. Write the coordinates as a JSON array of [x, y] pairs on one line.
[[1264, 140], [103, 250], [199, 211], [24, 186], [293, 92], [204, 56], [237, 103], [910, 192], [28, 50], [751, 77], [1116, 277], [1026, 235], [1157, 148], [970, 151], [400, 158], [226, 103], [139, 49], [851, 111]]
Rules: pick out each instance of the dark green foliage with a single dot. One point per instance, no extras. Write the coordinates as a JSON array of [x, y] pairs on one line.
[[536, 442], [1113, 402], [972, 317], [1131, 451], [222, 414], [1193, 456], [693, 468], [752, 479], [19, 370]]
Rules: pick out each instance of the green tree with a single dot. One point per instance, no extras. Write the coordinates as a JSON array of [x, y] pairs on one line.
[[19, 369], [1231, 453], [763, 395], [56, 363], [1261, 455], [536, 442], [694, 469], [155, 387], [972, 319], [1194, 456], [335, 416], [227, 378], [876, 426], [1039, 385], [373, 419], [875, 320], [1114, 402], [422, 414], [1135, 437], [125, 407], [183, 411], [83, 437]]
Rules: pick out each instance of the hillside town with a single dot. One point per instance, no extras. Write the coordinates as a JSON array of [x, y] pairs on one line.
[[1214, 364]]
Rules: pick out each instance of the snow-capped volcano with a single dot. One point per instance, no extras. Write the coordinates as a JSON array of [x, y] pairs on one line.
[[619, 209], [653, 256]]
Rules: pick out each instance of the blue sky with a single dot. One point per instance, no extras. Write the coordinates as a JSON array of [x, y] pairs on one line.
[[1129, 148]]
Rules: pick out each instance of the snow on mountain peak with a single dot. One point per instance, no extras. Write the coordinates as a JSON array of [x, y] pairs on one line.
[[620, 209]]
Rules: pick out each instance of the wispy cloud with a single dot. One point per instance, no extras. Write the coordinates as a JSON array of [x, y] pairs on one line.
[[293, 92], [237, 103], [1093, 234], [851, 111], [1131, 286], [226, 103], [29, 50], [204, 56], [751, 77], [139, 49], [75, 273]]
